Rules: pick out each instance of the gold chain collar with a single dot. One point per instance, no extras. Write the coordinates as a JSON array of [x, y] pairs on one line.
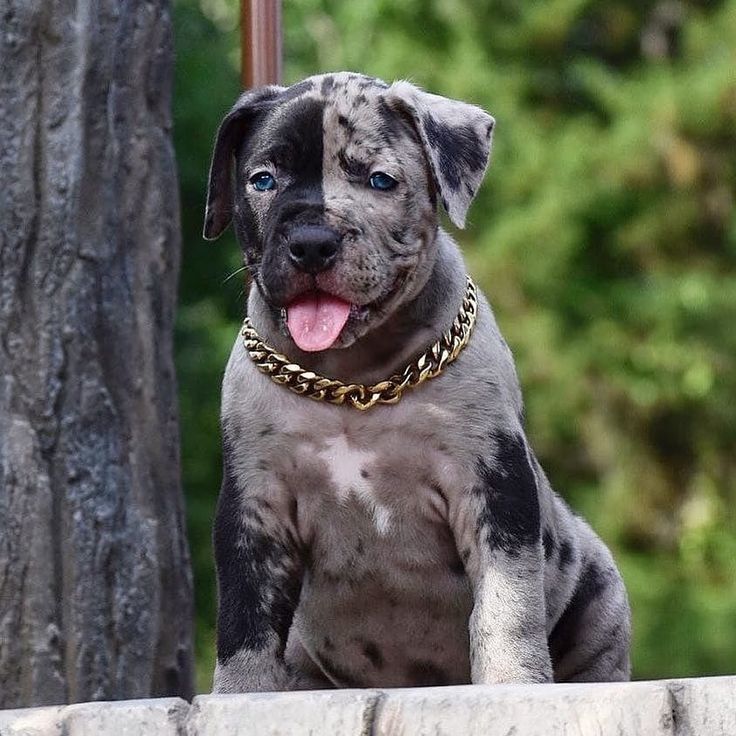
[[428, 365]]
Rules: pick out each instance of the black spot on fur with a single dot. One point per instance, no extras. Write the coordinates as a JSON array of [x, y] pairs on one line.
[[396, 123], [609, 645], [465, 556], [327, 575], [296, 90], [359, 100], [566, 555], [352, 166], [344, 122], [549, 544], [508, 490], [459, 150], [393, 126], [234, 431], [374, 82], [359, 547], [328, 84], [292, 508], [423, 672], [364, 473], [372, 654], [564, 636], [258, 575], [456, 567], [368, 82], [266, 430]]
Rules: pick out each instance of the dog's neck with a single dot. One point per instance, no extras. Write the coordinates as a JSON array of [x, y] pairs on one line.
[[391, 346]]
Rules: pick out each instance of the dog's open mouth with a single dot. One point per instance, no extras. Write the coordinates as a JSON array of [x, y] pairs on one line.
[[315, 320]]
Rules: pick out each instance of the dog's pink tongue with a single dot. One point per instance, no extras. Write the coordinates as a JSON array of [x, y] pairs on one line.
[[316, 319]]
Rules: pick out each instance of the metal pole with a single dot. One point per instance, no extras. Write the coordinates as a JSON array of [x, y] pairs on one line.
[[260, 42]]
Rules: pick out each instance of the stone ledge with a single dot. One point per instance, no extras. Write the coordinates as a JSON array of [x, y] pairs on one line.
[[691, 707], [164, 716]]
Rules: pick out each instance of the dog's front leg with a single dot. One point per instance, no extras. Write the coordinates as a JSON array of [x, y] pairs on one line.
[[497, 527], [259, 573]]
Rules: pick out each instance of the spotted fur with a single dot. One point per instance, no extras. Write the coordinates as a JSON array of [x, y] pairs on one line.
[[415, 544]]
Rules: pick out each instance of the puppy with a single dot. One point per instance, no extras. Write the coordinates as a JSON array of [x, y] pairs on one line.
[[417, 542]]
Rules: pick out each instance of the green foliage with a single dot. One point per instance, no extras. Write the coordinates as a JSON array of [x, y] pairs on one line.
[[605, 237]]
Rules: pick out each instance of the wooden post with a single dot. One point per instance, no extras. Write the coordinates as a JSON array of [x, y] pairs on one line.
[[260, 42]]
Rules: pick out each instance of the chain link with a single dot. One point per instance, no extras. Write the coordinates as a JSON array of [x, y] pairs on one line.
[[307, 383]]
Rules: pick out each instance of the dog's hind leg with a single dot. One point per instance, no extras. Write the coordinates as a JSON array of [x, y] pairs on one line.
[[590, 642]]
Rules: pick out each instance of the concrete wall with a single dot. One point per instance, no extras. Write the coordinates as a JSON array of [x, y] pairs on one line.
[[697, 707]]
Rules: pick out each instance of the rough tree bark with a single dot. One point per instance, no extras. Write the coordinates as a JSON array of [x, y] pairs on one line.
[[95, 581]]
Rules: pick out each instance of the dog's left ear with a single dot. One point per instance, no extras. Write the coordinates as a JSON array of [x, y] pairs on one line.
[[457, 139]]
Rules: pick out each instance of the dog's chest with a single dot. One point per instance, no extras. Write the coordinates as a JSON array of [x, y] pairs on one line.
[[376, 478], [351, 482], [383, 571]]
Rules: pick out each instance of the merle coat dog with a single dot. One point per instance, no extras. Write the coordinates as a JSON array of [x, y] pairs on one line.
[[412, 544]]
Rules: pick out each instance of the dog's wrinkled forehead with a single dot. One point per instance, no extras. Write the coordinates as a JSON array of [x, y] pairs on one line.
[[333, 115], [331, 111], [345, 107]]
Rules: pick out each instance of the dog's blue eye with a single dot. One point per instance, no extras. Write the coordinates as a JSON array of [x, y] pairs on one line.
[[263, 181], [381, 180]]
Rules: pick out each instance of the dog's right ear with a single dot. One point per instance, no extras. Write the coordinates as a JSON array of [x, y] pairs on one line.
[[233, 129]]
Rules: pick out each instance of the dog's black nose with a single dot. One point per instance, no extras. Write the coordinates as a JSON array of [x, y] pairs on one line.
[[313, 248]]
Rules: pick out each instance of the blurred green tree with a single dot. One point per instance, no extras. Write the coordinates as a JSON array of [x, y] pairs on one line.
[[605, 237]]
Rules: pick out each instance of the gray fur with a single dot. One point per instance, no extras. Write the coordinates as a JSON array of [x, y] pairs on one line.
[[423, 540]]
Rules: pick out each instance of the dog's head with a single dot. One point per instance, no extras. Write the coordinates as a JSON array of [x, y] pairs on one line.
[[335, 201]]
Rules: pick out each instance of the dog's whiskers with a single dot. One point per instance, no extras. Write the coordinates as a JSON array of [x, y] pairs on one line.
[[235, 273]]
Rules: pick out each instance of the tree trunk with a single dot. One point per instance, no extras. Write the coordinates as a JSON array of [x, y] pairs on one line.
[[95, 580]]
